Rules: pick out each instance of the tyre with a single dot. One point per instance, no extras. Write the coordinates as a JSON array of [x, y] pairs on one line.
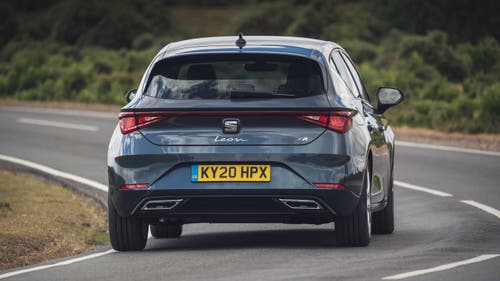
[[383, 221], [166, 230], [355, 229], [126, 233]]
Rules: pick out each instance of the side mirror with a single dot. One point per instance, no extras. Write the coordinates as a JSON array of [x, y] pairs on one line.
[[130, 95], [388, 97]]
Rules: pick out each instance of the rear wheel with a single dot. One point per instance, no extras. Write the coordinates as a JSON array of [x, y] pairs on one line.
[[166, 230], [355, 229], [126, 233], [383, 221]]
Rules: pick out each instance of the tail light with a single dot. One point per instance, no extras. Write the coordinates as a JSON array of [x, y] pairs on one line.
[[329, 185], [132, 121], [338, 121], [135, 186]]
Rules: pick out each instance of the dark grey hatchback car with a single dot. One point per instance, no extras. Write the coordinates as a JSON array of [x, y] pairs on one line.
[[255, 129]]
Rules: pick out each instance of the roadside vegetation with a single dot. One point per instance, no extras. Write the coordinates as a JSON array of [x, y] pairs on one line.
[[444, 54], [40, 221]]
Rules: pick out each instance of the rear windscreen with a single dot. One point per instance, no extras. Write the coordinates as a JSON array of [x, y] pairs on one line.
[[234, 76]]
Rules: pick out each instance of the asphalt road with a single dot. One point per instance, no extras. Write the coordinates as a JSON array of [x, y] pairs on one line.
[[430, 230]]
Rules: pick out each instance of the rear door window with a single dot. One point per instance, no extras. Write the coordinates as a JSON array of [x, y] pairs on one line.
[[235, 76], [345, 73], [355, 75]]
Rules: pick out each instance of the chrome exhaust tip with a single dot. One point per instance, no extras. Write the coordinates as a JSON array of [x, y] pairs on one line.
[[157, 205], [301, 204]]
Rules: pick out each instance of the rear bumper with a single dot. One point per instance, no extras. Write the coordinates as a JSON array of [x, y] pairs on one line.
[[232, 205]]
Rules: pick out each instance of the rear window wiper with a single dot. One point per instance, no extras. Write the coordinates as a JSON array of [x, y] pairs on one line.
[[244, 95]]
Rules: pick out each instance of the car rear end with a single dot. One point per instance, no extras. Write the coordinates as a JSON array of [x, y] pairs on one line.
[[238, 137]]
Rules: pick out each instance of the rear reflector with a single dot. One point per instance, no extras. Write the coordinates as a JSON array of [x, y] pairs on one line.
[[130, 121], [338, 121], [135, 186], [329, 185]]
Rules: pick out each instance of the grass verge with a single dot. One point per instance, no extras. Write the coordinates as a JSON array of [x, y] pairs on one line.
[[41, 221]]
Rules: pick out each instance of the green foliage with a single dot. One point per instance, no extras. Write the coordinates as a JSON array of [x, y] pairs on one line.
[[312, 18], [91, 74], [109, 24], [489, 108], [439, 90], [462, 20], [483, 56], [270, 19], [353, 22], [435, 50], [143, 41], [361, 50]]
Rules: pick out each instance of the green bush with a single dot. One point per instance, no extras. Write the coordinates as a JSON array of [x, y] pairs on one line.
[[489, 108], [311, 18], [353, 22], [475, 85], [439, 90], [270, 19], [361, 50], [110, 24], [143, 41], [92, 75], [459, 116], [481, 57], [434, 49]]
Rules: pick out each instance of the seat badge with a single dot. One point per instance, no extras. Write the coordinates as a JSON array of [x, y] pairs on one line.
[[231, 126]]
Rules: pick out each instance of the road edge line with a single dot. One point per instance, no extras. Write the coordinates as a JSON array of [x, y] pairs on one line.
[[66, 262], [441, 267], [422, 189], [54, 172], [483, 207]]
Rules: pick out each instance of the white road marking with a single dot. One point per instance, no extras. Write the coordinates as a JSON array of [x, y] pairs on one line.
[[66, 262], [447, 148], [66, 112], [58, 124], [55, 172], [483, 207], [423, 189], [440, 268]]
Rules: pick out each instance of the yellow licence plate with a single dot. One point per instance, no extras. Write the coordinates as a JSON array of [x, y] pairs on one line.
[[234, 173]]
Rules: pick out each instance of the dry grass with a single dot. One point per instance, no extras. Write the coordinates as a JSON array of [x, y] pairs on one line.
[[479, 141], [40, 221]]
